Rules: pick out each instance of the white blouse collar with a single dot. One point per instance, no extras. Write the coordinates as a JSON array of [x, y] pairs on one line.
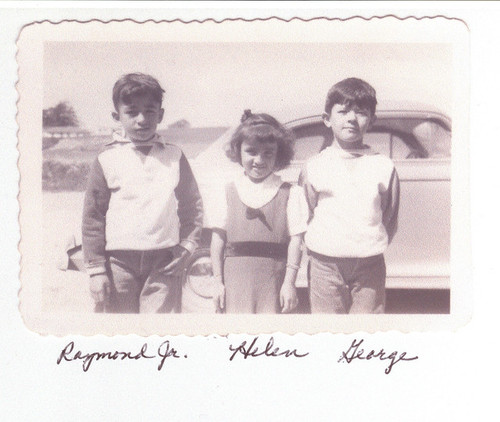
[[256, 195]]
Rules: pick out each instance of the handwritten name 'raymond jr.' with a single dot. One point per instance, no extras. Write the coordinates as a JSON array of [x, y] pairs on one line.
[[164, 351]]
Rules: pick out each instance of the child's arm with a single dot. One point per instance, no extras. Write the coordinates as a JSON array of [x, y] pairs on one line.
[[190, 207], [94, 231], [390, 206], [190, 213], [309, 191], [297, 216], [217, 247], [288, 293]]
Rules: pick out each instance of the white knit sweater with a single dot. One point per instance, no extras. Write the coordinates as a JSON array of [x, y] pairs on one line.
[[354, 200]]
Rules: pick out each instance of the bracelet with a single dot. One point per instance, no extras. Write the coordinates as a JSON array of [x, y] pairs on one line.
[[293, 266]]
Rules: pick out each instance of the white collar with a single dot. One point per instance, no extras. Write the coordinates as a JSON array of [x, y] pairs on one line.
[[119, 137], [256, 195], [350, 153]]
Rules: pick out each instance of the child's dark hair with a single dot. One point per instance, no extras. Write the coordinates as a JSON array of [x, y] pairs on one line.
[[263, 128], [136, 84], [351, 92]]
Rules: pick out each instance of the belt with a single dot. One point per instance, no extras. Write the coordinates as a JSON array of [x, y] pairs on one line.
[[257, 249]]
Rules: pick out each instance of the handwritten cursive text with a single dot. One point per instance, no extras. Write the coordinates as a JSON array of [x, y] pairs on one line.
[[164, 351], [269, 350], [354, 352]]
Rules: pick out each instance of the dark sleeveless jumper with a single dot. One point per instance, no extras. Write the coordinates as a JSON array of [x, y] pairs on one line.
[[255, 256]]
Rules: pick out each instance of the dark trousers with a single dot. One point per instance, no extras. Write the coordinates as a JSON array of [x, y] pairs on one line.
[[347, 285], [137, 285]]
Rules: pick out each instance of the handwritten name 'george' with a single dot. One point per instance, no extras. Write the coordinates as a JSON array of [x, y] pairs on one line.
[[355, 352]]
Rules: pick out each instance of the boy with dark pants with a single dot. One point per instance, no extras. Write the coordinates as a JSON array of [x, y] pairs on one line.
[[142, 213], [353, 197]]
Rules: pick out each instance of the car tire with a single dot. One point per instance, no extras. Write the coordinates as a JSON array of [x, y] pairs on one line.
[[197, 283]]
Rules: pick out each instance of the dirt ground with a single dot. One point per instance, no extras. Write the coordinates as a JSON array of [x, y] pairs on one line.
[[63, 291], [67, 291]]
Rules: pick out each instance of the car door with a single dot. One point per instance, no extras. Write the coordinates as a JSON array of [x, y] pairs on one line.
[[419, 256]]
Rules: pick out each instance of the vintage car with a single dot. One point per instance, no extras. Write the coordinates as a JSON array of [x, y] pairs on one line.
[[417, 138]]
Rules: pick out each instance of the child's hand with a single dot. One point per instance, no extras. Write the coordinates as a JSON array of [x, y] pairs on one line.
[[219, 294], [100, 288], [288, 297], [178, 262]]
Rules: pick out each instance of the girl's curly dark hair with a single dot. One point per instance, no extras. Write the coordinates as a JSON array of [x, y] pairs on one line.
[[262, 128]]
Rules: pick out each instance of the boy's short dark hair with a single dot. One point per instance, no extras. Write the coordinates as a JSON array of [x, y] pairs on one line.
[[263, 128], [351, 92], [136, 84]]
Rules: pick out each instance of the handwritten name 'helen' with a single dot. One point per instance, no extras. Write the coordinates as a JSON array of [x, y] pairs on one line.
[[252, 351]]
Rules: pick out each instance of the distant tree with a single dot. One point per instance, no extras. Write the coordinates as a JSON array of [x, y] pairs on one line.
[[181, 124], [62, 114]]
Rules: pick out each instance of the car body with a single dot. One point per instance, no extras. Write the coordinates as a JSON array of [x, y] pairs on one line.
[[416, 137]]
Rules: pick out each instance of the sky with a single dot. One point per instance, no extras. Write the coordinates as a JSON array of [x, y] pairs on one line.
[[210, 84]]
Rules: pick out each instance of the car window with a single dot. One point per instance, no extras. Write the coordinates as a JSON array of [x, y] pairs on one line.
[[410, 138], [388, 144], [434, 138], [310, 139], [308, 146]]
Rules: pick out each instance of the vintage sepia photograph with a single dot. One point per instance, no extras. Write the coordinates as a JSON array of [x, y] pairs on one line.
[[242, 176], [249, 210]]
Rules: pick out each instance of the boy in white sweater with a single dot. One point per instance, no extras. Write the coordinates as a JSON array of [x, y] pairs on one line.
[[142, 215], [353, 197]]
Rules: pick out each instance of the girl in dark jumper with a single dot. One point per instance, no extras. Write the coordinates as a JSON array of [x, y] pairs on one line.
[[257, 235]]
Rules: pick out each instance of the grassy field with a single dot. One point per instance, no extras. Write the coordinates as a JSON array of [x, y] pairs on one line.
[[66, 163]]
